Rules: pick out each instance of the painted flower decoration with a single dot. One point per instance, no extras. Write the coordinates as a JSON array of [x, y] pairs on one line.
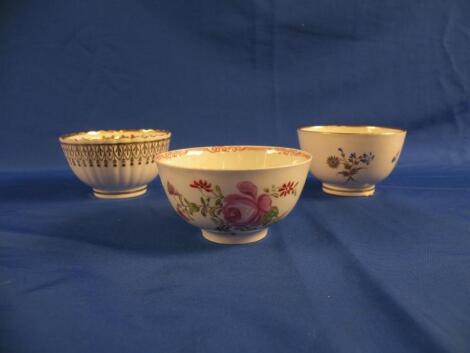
[[352, 164], [171, 189], [288, 188], [202, 185], [247, 209], [333, 162]]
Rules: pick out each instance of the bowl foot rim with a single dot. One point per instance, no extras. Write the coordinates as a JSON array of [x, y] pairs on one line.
[[120, 194], [229, 239], [345, 191]]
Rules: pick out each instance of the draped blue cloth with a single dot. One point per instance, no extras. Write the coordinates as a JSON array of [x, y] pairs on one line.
[[390, 273]]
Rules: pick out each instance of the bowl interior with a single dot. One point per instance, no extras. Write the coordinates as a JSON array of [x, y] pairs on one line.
[[234, 158], [115, 136], [359, 130]]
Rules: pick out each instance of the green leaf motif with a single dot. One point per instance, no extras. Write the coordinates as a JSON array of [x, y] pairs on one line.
[[273, 213], [212, 212]]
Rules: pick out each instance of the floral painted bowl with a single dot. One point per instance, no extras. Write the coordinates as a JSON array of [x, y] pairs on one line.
[[233, 193], [117, 164], [350, 160]]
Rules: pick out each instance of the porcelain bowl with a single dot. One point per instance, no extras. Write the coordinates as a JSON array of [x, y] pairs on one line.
[[233, 193], [351, 160], [115, 163]]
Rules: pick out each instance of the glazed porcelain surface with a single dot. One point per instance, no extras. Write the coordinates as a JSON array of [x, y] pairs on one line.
[[351, 160], [115, 163], [233, 193]]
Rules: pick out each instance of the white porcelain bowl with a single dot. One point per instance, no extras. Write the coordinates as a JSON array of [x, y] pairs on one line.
[[233, 193], [115, 163], [350, 160]]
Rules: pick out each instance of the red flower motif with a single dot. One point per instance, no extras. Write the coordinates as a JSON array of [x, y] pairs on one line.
[[171, 189], [202, 185], [287, 188]]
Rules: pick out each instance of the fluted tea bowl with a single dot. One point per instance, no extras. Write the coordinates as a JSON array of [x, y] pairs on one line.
[[115, 163]]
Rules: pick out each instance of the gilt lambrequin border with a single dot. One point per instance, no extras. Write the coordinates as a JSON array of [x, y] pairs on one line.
[[113, 155]]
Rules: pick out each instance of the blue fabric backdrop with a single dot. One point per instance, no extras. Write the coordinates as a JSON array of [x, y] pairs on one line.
[[389, 273]]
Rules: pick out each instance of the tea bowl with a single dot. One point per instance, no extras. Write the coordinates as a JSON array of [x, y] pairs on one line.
[[117, 164], [233, 193], [351, 160]]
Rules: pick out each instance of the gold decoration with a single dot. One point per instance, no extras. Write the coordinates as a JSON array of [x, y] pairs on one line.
[[106, 155]]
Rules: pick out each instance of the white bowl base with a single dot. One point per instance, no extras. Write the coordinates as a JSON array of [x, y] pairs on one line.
[[342, 191], [221, 238], [120, 194]]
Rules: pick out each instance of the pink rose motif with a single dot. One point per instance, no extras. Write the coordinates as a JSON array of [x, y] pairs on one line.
[[247, 209]]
